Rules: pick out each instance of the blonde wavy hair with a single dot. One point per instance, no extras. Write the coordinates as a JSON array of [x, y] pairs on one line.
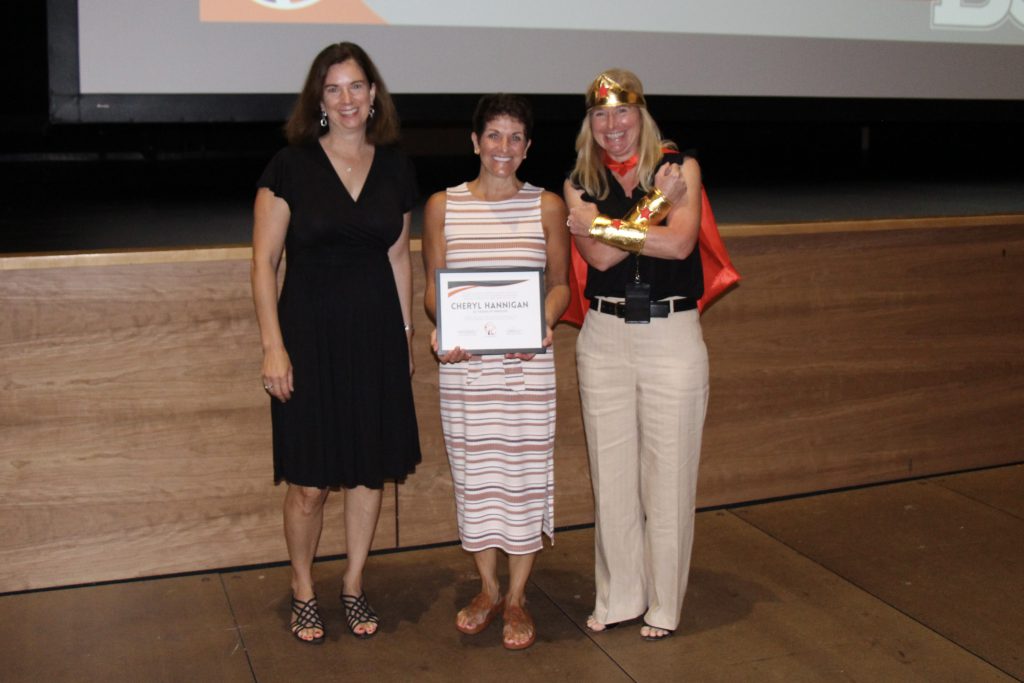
[[589, 173]]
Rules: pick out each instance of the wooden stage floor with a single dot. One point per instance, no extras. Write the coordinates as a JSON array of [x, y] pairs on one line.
[[912, 581]]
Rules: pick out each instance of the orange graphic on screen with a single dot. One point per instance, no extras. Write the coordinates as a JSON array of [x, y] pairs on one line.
[[289, 11]]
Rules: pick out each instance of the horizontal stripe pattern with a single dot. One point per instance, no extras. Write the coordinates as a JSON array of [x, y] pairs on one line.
[[498, 415]]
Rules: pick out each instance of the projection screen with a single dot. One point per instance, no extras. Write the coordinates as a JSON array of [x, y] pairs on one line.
[[160, 60]]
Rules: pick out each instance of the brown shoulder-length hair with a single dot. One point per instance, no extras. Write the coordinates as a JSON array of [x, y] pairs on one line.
[[303, 126], [589, 174]]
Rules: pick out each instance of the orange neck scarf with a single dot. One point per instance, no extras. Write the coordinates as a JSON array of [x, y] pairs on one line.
[[620, 168]]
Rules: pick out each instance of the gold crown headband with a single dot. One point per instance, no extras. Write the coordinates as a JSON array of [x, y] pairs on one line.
[[605, 92]]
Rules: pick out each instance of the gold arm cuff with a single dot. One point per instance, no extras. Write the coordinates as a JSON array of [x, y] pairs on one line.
[[619, 233], [650, 210]]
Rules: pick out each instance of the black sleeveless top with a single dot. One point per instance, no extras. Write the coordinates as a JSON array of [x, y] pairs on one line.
[[667, 277]]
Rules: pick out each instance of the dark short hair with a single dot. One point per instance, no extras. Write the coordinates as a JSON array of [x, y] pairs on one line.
[[304, 123], [491, 107]]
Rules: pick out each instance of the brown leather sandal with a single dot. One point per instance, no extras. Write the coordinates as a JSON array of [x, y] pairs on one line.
[[481, 603], [517, 616]]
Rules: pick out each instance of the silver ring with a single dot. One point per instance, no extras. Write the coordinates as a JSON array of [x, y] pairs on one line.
[[568, 223], [268, 387]]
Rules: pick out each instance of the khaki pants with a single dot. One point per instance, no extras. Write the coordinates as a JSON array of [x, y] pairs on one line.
[[644, 392]]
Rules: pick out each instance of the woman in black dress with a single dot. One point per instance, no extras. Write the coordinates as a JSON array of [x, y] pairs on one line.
[[336, 356]]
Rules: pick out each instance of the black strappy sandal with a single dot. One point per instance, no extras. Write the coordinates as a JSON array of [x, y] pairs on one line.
[[307, 616], [653, 638], [604, 627], [358, 611]]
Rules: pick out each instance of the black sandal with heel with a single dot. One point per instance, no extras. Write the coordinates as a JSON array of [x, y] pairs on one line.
[[307, 616], [358, 611], [652, 637], [604, 627]]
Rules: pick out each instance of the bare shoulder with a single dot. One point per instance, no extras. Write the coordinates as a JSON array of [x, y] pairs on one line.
[[549, 201], [436, 204], [438, 198], [691, 170], [573, 195]]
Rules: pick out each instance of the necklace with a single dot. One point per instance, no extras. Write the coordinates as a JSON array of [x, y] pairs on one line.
[[346, 164], [349, 164]]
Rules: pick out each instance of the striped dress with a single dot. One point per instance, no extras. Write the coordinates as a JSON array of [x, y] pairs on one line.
[[498, 415]]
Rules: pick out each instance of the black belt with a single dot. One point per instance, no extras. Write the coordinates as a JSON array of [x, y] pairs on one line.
[[659, 309]]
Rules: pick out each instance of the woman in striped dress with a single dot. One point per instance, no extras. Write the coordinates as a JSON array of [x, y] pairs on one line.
[[498, 411]]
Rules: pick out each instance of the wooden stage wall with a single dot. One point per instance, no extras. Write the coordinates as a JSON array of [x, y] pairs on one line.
[[136, 438]]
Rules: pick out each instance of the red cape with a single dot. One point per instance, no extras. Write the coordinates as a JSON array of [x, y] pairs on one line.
[[719, 273]]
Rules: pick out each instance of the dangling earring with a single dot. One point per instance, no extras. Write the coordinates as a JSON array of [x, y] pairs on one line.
[[372, 111], [323, 119]]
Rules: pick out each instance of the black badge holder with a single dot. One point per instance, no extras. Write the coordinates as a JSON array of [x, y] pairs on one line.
[[638, 299]]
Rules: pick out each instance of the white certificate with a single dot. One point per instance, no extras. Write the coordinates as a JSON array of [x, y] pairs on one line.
[[490, 310]]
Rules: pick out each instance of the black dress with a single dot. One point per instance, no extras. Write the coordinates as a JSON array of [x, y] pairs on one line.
[[351, 419]]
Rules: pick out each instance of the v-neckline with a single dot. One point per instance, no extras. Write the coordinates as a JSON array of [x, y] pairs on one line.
[[341, 181]]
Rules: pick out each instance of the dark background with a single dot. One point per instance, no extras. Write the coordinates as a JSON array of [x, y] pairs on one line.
[[77, 186]]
